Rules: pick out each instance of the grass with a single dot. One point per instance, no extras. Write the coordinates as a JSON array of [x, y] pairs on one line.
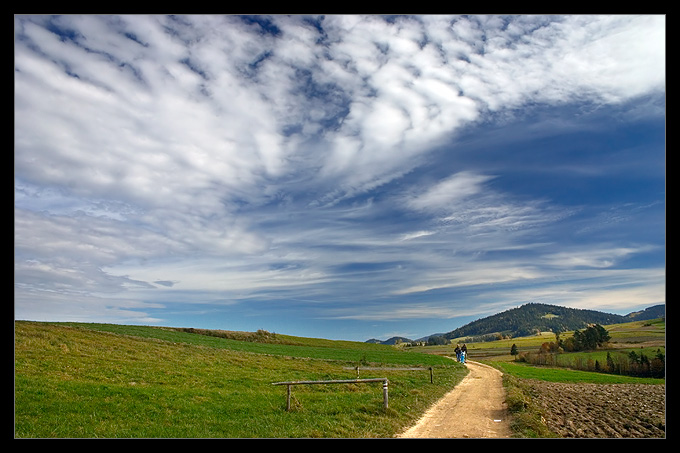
[[112, 381], [571, 358], [87, 381], [642, 336], [556, 374], [285, 345]]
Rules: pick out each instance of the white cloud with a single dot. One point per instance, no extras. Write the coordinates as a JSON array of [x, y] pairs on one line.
[[619, 300], [416, 234], [445, 194], [77, 307], [144, 141], [595, 258], [619, 290], [617, 56], [423, 311], [479, 273], [401, 97]]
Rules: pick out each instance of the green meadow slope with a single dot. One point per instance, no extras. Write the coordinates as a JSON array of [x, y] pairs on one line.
[[111, 381]]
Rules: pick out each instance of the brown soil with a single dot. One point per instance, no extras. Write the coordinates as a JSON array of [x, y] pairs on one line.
[[475, 408], [602, 410]]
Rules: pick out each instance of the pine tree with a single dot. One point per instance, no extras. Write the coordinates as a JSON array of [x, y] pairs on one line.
[[610, 363]]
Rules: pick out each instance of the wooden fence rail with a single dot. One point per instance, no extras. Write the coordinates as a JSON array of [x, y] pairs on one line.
[[369, 368], [341, 381]]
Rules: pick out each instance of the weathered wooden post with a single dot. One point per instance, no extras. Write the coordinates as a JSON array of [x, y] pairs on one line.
[[385, 404], [342, 381]]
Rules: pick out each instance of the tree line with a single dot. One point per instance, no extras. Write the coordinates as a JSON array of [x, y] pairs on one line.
[[589, 339]]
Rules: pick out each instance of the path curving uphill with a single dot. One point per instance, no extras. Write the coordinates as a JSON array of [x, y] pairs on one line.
[[475, 408]]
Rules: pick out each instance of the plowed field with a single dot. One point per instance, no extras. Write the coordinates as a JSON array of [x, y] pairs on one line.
[[603, 410]]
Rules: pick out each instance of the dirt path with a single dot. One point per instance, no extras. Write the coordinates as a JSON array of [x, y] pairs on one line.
[[475, 408]]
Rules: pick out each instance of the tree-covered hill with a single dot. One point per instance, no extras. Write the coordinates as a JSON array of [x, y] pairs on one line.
[[657, 311], [534, 317]]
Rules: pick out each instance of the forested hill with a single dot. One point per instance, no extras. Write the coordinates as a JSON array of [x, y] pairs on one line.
[[534, 317], [531, 318], [657, 311]]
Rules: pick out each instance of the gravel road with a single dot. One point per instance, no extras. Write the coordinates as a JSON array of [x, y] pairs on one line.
[[475, 408]]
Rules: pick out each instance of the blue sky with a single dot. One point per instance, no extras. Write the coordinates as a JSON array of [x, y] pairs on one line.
[[343, 177]]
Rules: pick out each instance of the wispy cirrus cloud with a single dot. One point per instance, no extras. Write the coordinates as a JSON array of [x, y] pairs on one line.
[[447, 193], [272, 159]]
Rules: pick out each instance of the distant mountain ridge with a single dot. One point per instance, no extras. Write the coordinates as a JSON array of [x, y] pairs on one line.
[[531, 318], [657, 311], [391, 341]]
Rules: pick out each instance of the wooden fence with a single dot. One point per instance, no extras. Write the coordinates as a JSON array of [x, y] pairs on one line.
[[368, 368], [342, 381]]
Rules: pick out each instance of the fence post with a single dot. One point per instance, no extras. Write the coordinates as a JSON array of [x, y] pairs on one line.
[[342, 381], [385, 393]]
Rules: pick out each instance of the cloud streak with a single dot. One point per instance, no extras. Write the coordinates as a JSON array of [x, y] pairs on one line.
[[165, 162]]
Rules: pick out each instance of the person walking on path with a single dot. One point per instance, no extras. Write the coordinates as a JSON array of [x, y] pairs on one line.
[[457, 351]]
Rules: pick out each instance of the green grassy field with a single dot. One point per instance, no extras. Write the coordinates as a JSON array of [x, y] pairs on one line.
[[88, 380], [558, 374], [105, 380], [526, 417], [640, 336]]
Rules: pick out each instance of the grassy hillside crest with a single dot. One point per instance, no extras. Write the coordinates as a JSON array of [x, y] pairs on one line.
[[104, 380]]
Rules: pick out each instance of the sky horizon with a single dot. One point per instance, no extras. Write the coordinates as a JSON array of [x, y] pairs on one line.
[[341, 177]]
